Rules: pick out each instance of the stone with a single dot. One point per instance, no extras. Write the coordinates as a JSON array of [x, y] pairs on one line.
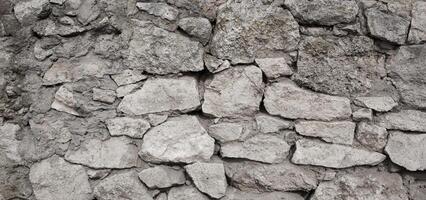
[[417, 190], [340, 132], [128, 77], [407, 150], [132, 127], [156, 120], [209, 178], [159, 9], [162, 176], [14, 183], [311, 152], [226, 131], [29, 11], [235, 194], [198, 27], [116, 152], [248, 176], [9, 145], [271, 124], [387, 26], [178, 140], [234, 92], [362, 114], [98, 173], [157, 51], [106, 96], [54, 178], [59, 2], [88, 11], [123, 185], [214, 64], [286, 99], [405, 120], [266, 148], [206, 8], [274, 67], [234, 38], [161, 95], [371, 136], [185, 193], [418, 23], [126, 89], [326, 12], [65, 100], [380, 104], [48, 28], [161, 196]]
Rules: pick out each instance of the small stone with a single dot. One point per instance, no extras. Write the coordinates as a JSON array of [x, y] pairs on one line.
[[88, 11], [204, 8], [372, 136], [387, 26], [128, 77], [235, 194], [59, 2], [418, 23], [126, 89], [341, 132], [198, 27], [162, 176], [362, 114], [156, 120], [405, 120], [208, 178], [214, 64], [161, 196], [98, 173], [9, 145], [106, 96], [132, 127], [28, 11], [274, 67], [185, 193], [407, 150], [271, 124], [311, 152], [65, 100], [159, 9], [380, 104], [226, 132]]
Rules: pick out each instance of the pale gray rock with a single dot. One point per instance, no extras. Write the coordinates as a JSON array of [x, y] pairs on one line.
[[106, 96], [14, 183], [88, 11], [123, 185], [162, 176], [271, 124], [274, 67], [286, 99], [185, 193], [339, 132], [48, 27], [325, 12], [234, 36], [132, 127], [29, 11], [362, 114], [65, 100], [234, 92], [209, 178], [226, 131], [417, 190], [98, 173], [249, 176], [206, 8], [235, 194], [59, 2], [418, 23], [180, 139], [156, 119], [380, 104], [371, 136], [198, 27], [116, 152], [214, 64], [54, 178], [163, 94], [126, 89], [311, 152], [128, 77], [161, 196], [405, 120], [407, 150], [387, 26], [159, 9], [9, 145]]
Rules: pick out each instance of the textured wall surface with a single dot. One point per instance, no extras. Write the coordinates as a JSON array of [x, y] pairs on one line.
[[213, 99]]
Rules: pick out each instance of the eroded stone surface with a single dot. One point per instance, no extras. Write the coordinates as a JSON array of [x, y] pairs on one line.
[[208, 178], [274, 67], [371, 136], [162, 176], [405, 120], [387, 26], [380, 104], [9, 145], [226, 132], [128, 77], [184, 193], [159, 9], [418, 23], [131, 127], [407, 150], [197, 27], [271, 124], [335, 132], [235, 194]]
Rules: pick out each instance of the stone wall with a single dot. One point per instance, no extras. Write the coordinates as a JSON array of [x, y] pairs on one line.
[[213, 99]]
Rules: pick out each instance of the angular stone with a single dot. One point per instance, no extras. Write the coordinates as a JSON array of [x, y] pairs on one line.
[[128, 77], [158, 51], [387, 26], [180, 139], [65, 100], [9, 145], [126, 89], [271, 124], [198, 27], [116, 152], [405, 120], [132, 127], [276, 31], [14, 183], [54, 178], [274, 67], [98, 173], [311, 152], [249, 176], [28, 11], [163, 94], [124, 185], [185, 193], [88, 11], [417, 190], [341, 132], [106, 96], [48, 27], [156, 120], [162, 176], [362, 114], [226, 132], [206, 8], [371, 136], [234, 92], [380, 104], [235, 194], [286, 99], [208, 178], [214, 64], [159, 9], [407, 150], [326, 12], [418, 23]]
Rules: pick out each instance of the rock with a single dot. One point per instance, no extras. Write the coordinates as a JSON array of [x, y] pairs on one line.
[[132, 127], [405, 120], [163, 94], [178, 140], [206, 8], [362, 114], [198, 27], [208, 178], [327, 12], [48, 27], [234, 92], [271, 124], [156, 120], [359, 185], [88, 11], [98, 173], [311, 152], [65, 100], [371, 136], [341, 132], [126, 89], [128, 77], [185, 193], [9, 145], [380, 104], [123, 185], [417, 190], [387, 26], [159, 9], [14, 183], [266, 148], [59, 2], [418, 23], [44, 48], [106, 96], [214, 64], [158, 51], [249, 176], [54, 178], [407, 150], [235, 194], [116, 152], [286, 99], [162, 176], [29, 11], [161, 196], [274, 67], [234, 37], [225, 131]]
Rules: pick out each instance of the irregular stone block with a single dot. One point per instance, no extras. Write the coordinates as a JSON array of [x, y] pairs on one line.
[[185, 193], [362, 114], [206, 8], [88, 11], [128, 77], [9, 145], [65, 100], [198, 27], [380, 104], [371, 136], [274, 67], [405, 120], [208, 178], [387, 26], [335, 132], [159, 9], [29, 11], [226, 132], [418, 23], [162, 176], [131, 127], [106, 96], [235, 194], [407, 150], [271, 124]]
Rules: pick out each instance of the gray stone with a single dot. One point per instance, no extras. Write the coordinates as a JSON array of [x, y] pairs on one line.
[[225, 131], [405, 120], [161, 196], [206, 8], [98, 173], [185, 193], [209, 178], [271, 124], [162, 176], [235, 194], [54, 178], [362, 114], [65, 100], [156, 120], [128, 77], [159, 9], [48, 27], [341, 132], [14, 183], [286, 99], [198, 27], [9, 145], [380, 104], [311, 152], [28, 11], [214, 64], [163, 94], [387, 26], [234, 37], [418, 23], [372, 136], [126, 89], [131, 127], [116, 152], [274, 67], [417, 190], [180, 139], [88, 11], [407, 150], [234, 92], [123, 185], [106, 96]]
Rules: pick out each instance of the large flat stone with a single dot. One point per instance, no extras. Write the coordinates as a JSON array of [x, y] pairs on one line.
[[387, 26], [341, 132], [418, 23], [131, 127], [162, 176], [380, 104], [405, 120], [208, 178], [9, 145], [407, 150]]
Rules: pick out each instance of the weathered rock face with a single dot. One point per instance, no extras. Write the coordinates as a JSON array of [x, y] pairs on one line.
[[271, 124], [28, 11], [159, 9], [131, 127], [334, 132], [184, 193], [206, 8], [405, 120], [274, 67], [385, 26], [418, 23], [380, 104], [226, 132], [208, 178], [197, 27], [235, 194], [407, 150], [371, 136], [9, 145], [162, 176]]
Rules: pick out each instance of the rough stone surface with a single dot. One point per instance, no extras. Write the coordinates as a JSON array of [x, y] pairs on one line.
[[131, 127], [159, 9], [28, 11], [371, 136], [235, 194], [128, 77], [407, 150], [272, 124], [387, 26], [226, 132], [405, 120], [335, 132], [362, 114], [162, 176], [380, 104], [274, 67], [9, 145], [418, 23], [208, 178], [198, 27], [106, 96], [184, 193]]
